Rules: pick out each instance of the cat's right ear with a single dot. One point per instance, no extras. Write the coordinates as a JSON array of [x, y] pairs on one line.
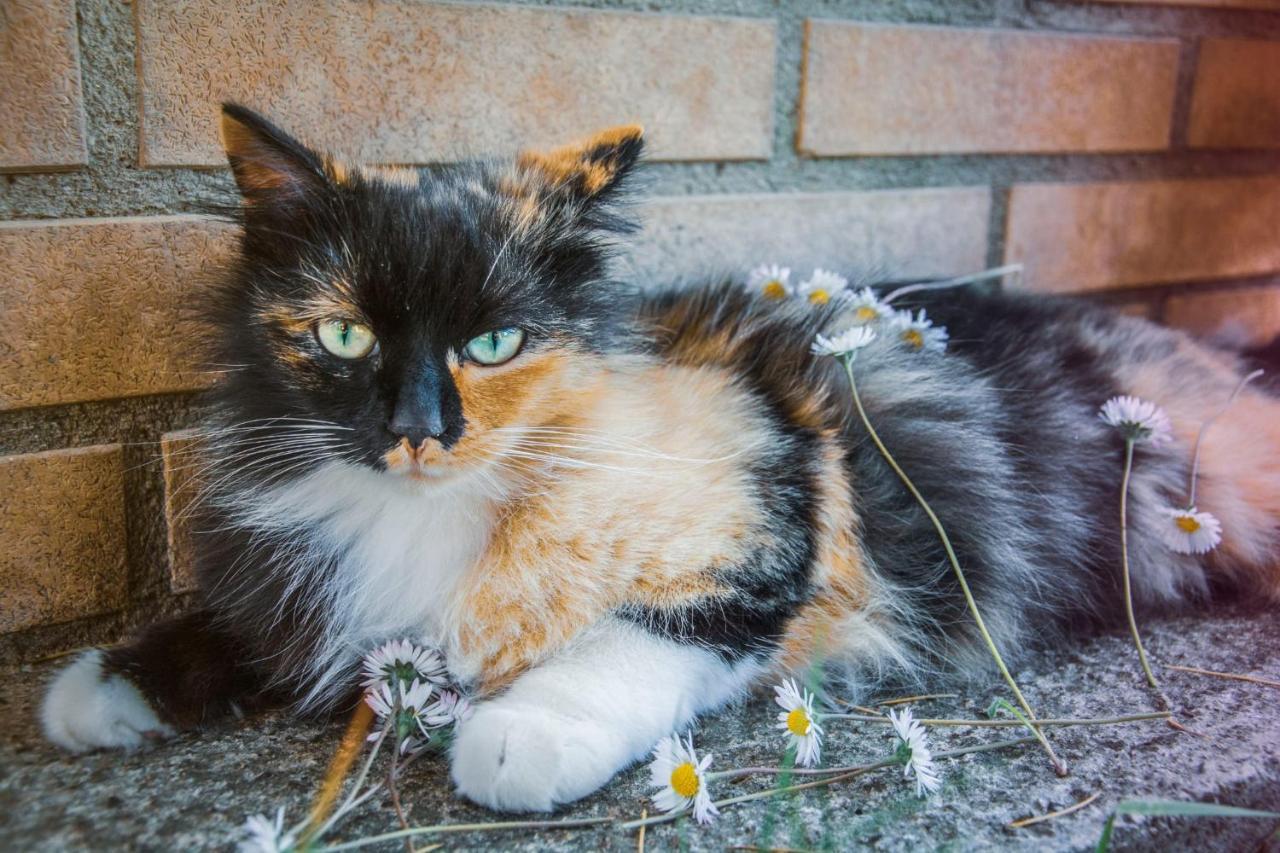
[[271, 168]]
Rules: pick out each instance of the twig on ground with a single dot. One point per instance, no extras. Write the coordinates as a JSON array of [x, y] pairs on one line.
[[905, 699], [501, 826], [1030, 821], [353, 740], [1096, 721], [1252, 679]]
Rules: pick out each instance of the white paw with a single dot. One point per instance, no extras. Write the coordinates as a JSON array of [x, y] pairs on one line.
[[84, 711], [522, 758]]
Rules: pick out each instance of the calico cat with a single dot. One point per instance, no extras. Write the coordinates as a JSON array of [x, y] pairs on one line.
[[618, 509]]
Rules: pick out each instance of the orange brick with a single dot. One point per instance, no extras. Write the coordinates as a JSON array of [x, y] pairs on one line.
[[876, 89], [1248, 316], [895, 233], [182, 466], [1236, 101], [41, 104], [62, 536], [91, 306], [420, 82], [1079, 237]]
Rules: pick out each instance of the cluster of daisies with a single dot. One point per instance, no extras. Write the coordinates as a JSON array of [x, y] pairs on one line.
[[868, 315], [408, 685], [683, 778], [1187, 530]]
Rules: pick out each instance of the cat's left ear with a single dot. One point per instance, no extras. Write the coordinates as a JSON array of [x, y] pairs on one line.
[[587, 169]]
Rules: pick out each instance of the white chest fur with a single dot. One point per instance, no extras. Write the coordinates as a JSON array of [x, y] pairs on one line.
[[394, 550]]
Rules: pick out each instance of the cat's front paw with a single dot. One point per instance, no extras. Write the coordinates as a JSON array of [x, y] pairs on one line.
[[87, 709], [521, 758]]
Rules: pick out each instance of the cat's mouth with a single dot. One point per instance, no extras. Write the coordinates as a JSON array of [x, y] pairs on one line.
[[427, 462]]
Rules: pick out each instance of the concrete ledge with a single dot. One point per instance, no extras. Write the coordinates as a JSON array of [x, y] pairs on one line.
[[195, 792]]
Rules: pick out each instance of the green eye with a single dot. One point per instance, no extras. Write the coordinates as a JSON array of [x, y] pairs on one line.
[[345, 338], [495, 347]]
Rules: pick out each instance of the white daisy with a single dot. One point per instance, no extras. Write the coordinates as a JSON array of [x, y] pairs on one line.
[[405, 706], [404, 661], [682, 778], [850, 340], [1138, 420], [771, 280], [799, 722], [913, 751], [1191, 532], [822, 287], [450, 708], [266, 836], [918, 332], [866, 307]]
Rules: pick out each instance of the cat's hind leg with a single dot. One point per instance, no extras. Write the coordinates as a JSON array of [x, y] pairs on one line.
[[176, 675]]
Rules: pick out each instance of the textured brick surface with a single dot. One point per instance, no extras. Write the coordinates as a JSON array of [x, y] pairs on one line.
[[182, 466], [41, 105], [1236, 100], [872, 89], [1076, 237], [1238, 316], [92, 307], [1204, 4], [889, 232], [62, 540], [420, 82]]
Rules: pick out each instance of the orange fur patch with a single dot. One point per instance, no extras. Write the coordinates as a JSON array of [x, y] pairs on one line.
[[580, 162], [650, 514]]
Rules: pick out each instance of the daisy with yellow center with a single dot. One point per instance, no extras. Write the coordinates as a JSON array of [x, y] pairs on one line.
[[771, 280], [681, 779], [866, 307], [918, 332], [1189, 531], [798, 720], [822, 287]]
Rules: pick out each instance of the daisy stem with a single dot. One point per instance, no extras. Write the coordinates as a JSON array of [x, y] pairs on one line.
[[1096, 721], [985, 275], [1124, 564], [1204, 427], [850, 773], [465, 827], [1058, 766]]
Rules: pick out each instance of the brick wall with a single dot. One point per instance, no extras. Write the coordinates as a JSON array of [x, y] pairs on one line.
[[1128, 152]]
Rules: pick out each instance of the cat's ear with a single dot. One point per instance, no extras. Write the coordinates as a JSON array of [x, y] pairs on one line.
[[588, 168], [270, 166]]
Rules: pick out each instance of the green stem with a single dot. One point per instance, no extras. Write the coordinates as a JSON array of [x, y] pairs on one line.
[[1096, 721], [818, 783], [1124, 564], [1058, 766]]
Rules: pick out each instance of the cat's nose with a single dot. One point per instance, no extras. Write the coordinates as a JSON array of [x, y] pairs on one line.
[[416, 429]]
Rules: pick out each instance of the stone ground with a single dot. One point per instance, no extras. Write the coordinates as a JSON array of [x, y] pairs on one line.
[[193, 793]]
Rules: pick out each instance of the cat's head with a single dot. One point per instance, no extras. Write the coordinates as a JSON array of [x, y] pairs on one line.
[[414, 321]]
